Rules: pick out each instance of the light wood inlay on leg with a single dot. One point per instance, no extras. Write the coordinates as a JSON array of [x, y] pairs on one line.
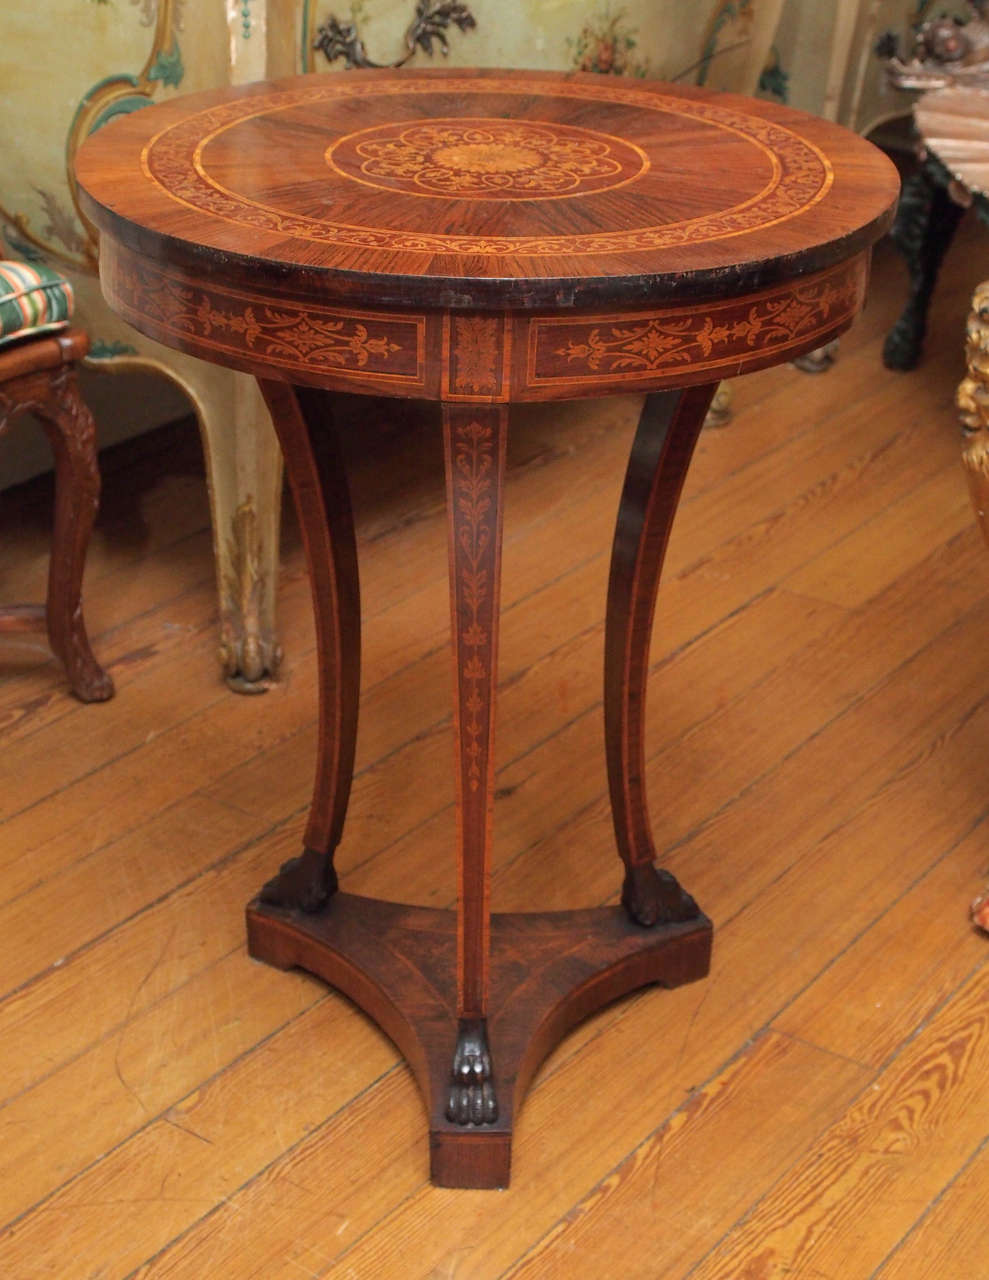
[[474, 440]]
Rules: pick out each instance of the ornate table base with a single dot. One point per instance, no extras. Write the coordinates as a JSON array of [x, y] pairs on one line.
[[549, 970], [475, 1001]]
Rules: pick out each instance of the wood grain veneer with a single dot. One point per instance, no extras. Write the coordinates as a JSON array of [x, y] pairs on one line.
[[481, 238]]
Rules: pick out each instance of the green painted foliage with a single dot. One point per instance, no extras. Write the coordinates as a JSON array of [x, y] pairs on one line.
[[100, 349], [774, 80], [167, 67]]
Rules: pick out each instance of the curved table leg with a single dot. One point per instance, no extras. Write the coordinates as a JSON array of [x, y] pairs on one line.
[[72, 434], [664, 443], [303, 421], [474, 1002], [474, 441]]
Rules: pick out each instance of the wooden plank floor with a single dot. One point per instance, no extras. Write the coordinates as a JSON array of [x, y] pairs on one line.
[[819, 716]]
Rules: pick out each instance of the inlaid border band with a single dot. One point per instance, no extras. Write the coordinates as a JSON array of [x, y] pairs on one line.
[[608, 349], [371, 346], [802, 174]]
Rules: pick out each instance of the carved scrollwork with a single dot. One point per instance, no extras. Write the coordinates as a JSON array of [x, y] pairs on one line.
[[336, 39], [973, 403]]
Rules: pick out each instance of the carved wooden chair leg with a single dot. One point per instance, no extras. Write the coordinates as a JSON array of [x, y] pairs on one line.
[[72, 434], [38, 375], [474, 441], [303, 420], [661, 452]]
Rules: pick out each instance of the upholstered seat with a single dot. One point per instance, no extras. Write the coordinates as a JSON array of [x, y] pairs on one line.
[[33, 299]]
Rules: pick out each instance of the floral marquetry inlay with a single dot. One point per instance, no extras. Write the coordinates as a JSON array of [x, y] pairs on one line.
[[727, 334], [485, 158], [478, 159], [167, 305], [472, 517]]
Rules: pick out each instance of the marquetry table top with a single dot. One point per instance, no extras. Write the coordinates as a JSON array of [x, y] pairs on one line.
[[476, 189]]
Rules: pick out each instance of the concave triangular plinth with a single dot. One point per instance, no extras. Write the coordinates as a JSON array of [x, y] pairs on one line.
[[549, 971]]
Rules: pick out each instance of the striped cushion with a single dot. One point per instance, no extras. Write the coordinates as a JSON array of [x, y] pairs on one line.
[[33, 299]]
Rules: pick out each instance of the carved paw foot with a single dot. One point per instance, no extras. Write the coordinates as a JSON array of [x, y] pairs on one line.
[[250, 661], [472, 1097], [652, 896], [305, 883]]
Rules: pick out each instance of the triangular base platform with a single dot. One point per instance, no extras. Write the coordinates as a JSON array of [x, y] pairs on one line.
[[549, 971]]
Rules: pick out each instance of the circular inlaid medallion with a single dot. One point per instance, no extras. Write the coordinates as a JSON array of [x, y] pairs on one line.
[[492, 159]]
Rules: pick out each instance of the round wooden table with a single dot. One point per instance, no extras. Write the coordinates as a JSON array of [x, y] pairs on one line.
[[480, 238]]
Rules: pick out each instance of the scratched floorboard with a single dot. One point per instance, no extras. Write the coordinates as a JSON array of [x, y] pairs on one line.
[[819, 713]]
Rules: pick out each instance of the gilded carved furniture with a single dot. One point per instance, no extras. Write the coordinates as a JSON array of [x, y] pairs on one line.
[[483, 238], [38, 375], [973, 406]]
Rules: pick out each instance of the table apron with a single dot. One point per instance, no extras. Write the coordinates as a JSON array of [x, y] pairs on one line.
[[474, 357]]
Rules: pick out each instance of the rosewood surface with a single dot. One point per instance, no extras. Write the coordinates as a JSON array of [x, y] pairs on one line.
[[480, 238]]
